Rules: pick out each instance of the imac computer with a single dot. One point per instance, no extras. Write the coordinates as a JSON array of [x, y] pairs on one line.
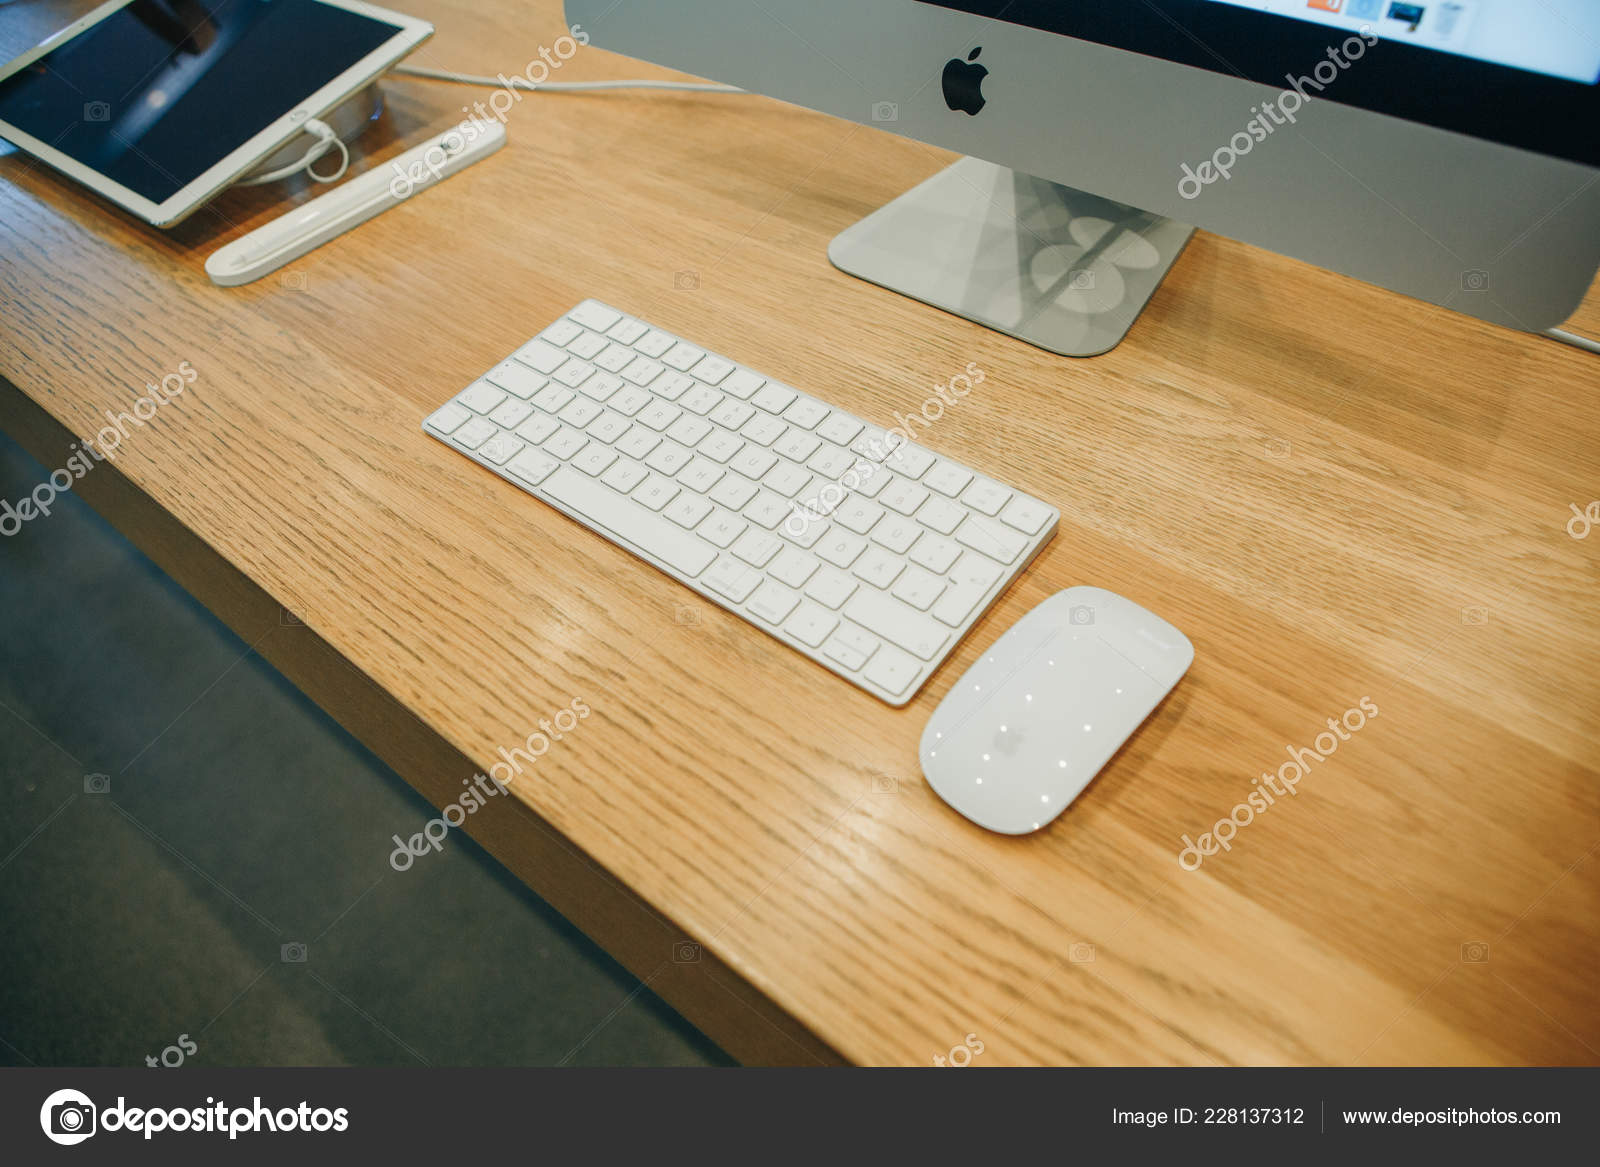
[[1446, 149]]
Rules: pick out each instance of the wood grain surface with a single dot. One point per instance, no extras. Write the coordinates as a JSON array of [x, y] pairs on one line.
[[1337, 493]]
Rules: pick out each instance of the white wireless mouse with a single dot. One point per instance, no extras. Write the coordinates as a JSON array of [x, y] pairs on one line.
[[1033, 720]]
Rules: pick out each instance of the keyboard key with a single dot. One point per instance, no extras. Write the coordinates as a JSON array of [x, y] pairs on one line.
[[476, 431], [720, 445], [624, 475], [629, 400], [970, 581], [986, 496], [902, 496], [858, 515], [538, 427], [934, 553], [840, 429], [532, 466], [896, 533], [553, 398], [601, 386], [687, 510], [642, 371], [805, 413], [448, 418], [947, 478], [731, 414], [516, 379], [756, 547], [847, 655], [672, 386], [763, 429], [615, 358], [774, 398], [682, 356], [481, 397], [801, 528], [580, 411], [668, 458], [587, 346], [595, 316], [766, 509], [574, 373], [511, 413], [701, 399], [712, 370], [499, 449], [793, 567], [638, 442], [831, 462], [543, 357], [878, 567], [655, 342], [753, 461], [885, 616], [773, 602], [912, 461], [595, 458], [797, 445], [608, 427], [918, 588], [656, 492], [991, 538], [730, 578], [811, 625], [840, 548], [689, 429], [654, 535], [742, 383], [733, 492], [786, 479], [565, 443], [891, 671], [561, 332], [658, 415], [831, 587], [941, 515], [701, 474], [627, 331], [1025, 515]]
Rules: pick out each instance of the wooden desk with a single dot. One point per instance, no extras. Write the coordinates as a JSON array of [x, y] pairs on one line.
[[1336, 492]]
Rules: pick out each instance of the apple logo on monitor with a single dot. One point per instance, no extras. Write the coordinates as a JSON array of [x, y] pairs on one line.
[[963, 83]]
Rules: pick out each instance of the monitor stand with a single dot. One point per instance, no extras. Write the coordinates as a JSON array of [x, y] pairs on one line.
[[1058, 268]]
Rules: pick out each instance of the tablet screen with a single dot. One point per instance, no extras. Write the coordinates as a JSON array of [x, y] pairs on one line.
[[160, 91]]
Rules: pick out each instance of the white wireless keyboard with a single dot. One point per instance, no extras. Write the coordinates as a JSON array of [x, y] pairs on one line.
[[871, 557]]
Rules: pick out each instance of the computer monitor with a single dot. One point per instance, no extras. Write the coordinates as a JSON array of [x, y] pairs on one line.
[[1447, 149]]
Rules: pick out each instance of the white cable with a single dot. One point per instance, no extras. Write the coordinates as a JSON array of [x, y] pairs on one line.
[[1573, 339], [559, 86], [326, 140]]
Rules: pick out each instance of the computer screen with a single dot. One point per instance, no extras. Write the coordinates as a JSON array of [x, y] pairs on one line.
[[1558, 37]]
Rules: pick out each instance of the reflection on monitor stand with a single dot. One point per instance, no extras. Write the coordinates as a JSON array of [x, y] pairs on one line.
[[1057, 267]]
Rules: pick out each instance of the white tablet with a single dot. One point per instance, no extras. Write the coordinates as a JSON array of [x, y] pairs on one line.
[[159, 104]]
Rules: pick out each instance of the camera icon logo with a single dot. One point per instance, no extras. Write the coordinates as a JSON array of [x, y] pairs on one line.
[[1475, 952], [1081, 954], [686, 614], [97, 783], [293, 953], [1474, 617], [1081, 615], [885, 111], [1081, 280], [686, 952], [1475, 280], [96, 111], [67, 1117], [294, 281], [686, 281]]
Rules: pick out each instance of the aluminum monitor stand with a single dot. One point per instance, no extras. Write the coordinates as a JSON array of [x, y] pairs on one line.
[[1056, 267]]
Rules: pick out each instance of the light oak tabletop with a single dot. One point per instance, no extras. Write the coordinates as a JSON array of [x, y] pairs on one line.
[[1340, 495]]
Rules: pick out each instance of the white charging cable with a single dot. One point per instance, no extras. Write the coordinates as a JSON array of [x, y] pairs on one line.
[[326, 140], [559, 86]]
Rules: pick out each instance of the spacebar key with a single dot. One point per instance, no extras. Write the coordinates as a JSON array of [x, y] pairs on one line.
[[622, 516]]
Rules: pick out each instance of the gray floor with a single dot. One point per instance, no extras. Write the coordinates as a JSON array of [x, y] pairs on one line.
[[240, 820]]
